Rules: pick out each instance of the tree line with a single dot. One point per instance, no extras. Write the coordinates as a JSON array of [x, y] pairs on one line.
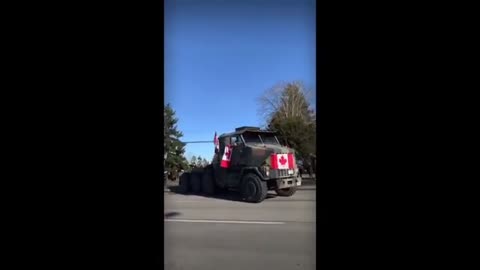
[[198, 162]]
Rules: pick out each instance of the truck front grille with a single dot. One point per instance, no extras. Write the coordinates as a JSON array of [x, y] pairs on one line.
[[279, 174], [282, 173]]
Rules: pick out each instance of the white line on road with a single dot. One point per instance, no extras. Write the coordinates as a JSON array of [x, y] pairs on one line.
[[224, 221], [187, 201]]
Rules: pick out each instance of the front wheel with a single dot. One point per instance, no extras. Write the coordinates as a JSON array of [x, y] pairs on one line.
[[253, 189]]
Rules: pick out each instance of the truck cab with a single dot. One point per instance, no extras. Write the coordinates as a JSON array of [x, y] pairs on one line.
[[257, 162]]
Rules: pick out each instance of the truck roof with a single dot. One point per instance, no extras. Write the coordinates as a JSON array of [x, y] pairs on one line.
[[241, 130]]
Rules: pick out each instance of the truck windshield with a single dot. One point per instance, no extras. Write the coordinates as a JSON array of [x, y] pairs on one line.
[[254, 137], [269, 138]]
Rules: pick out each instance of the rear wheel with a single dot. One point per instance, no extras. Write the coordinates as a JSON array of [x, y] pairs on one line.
[[287, 192], [196, 182], [253, 189], [184, 185], [208, 183]]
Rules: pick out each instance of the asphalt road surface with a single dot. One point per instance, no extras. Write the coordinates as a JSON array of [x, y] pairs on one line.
[[222, 233]]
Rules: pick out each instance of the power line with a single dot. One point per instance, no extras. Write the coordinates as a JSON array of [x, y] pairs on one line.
[[199, 142]]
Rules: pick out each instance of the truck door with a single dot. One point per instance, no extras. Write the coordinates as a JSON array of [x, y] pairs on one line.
[[237, 151], [221, 173], [234, 176]]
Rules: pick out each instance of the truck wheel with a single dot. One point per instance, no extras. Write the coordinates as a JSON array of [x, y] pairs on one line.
[[287, 192], [196, 182], [208, 184], [184, 185], [253, 189]]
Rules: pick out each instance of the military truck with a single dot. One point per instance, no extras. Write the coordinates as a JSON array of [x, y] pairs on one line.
[[250, 161]]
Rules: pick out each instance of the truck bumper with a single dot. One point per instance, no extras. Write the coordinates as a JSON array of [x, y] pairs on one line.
[[289, 182]]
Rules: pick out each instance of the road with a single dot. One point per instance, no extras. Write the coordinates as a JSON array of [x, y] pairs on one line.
[[222, 233]]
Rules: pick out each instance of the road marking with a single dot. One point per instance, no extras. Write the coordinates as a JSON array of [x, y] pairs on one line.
[[207, 200], [224, 221]]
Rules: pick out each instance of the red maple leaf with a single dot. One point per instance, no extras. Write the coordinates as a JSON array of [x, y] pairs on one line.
[[228, 153], [282, 160]]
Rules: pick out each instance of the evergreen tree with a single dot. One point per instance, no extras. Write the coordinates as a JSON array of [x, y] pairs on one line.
[[193, 161], [174, 159], [205, 162], [199, 162]]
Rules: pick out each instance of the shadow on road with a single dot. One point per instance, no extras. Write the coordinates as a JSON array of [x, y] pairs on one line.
[[223, 195], [171, 214]]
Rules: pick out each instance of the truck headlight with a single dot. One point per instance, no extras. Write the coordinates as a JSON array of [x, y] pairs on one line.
[[266, 170]]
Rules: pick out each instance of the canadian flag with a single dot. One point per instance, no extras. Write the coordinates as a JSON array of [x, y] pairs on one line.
[[215, 142], [227, 154], [283, 161]]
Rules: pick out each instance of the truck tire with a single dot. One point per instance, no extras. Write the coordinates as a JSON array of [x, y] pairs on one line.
[[184, 185], [196, 182], [253, 189], [208, 183], [287, 192]]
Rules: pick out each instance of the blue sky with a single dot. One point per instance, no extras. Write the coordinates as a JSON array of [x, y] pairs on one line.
[[220, 56]]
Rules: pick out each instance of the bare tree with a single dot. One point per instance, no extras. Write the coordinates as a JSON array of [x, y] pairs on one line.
[[286, 109], [286, 100]]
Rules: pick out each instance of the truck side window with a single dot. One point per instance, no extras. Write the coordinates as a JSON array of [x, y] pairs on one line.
[[236, 139], [226, 141]]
